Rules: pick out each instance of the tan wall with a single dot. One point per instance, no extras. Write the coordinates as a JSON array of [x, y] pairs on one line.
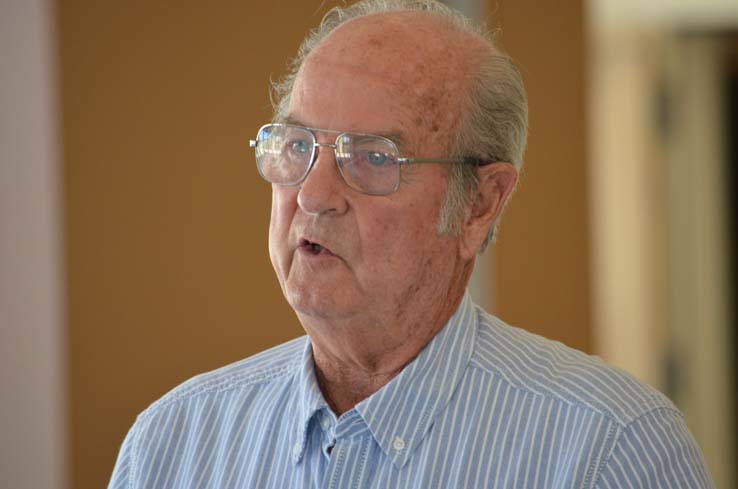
[[166, 219], [541, 263]]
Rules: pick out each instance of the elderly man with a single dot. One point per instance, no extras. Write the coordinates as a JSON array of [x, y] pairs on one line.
[[398, 139]]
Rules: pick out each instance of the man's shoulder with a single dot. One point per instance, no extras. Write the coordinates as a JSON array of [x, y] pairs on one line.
[[548, 368], [271, 365]]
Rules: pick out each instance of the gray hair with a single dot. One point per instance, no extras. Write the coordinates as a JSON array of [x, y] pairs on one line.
[[494, 112]]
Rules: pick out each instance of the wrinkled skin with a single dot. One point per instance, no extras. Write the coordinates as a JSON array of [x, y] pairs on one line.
[[387, 281]]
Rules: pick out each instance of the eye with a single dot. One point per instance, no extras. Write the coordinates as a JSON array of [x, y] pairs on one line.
[[376, 158], [300, 146]]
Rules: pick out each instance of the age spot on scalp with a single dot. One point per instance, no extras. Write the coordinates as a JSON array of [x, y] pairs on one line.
[[376, 41]]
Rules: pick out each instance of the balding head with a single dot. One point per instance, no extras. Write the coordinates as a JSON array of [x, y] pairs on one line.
[[420, 55]]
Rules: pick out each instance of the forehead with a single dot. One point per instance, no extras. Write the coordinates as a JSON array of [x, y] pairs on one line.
[[401, 72]]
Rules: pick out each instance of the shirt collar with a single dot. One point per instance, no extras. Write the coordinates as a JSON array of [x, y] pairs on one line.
[[401, 413]]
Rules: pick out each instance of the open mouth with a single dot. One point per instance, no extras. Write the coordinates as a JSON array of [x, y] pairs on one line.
[[313, 248]]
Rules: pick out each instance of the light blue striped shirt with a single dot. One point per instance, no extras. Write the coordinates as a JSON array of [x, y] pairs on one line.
[[483, 405]]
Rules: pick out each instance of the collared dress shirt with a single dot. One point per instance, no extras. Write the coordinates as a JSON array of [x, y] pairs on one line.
[[484, 405]]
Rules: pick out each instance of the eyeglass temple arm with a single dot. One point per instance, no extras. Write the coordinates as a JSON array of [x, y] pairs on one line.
[[468, 161]]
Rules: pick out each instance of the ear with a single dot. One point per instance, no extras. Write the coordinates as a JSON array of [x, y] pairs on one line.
[[496, 183]]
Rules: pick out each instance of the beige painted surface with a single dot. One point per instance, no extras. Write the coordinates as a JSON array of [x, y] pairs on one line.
[[169, 273], [541, 263], [664, 13]]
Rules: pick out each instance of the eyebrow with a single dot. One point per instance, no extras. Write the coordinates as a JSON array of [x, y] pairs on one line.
[[393, 135]]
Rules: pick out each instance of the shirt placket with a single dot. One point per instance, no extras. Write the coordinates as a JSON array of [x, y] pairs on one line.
[[345, 445]]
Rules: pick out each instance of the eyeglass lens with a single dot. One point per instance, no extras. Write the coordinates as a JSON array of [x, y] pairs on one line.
[[284, 155]]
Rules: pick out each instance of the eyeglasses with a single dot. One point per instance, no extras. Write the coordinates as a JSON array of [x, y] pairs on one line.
[[371, 164]]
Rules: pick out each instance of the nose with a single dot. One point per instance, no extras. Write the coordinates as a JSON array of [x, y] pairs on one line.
[[323, 190]]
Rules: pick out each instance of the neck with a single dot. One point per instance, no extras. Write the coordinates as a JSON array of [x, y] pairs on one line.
[[354, 360]]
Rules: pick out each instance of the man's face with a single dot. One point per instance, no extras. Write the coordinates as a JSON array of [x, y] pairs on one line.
[[382, 254]]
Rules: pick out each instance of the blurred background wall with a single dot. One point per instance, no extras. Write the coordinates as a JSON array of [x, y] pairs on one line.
[[33, 387], [160, 235], [663, 165]]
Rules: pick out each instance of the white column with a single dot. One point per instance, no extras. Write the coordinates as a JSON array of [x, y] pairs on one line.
[[31, 338], [626, 202]]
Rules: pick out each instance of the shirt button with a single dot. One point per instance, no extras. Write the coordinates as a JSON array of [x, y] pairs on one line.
[[325, 423], [398, 444], [296, 451]]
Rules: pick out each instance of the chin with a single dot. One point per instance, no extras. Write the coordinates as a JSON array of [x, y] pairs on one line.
[[317, 304]]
